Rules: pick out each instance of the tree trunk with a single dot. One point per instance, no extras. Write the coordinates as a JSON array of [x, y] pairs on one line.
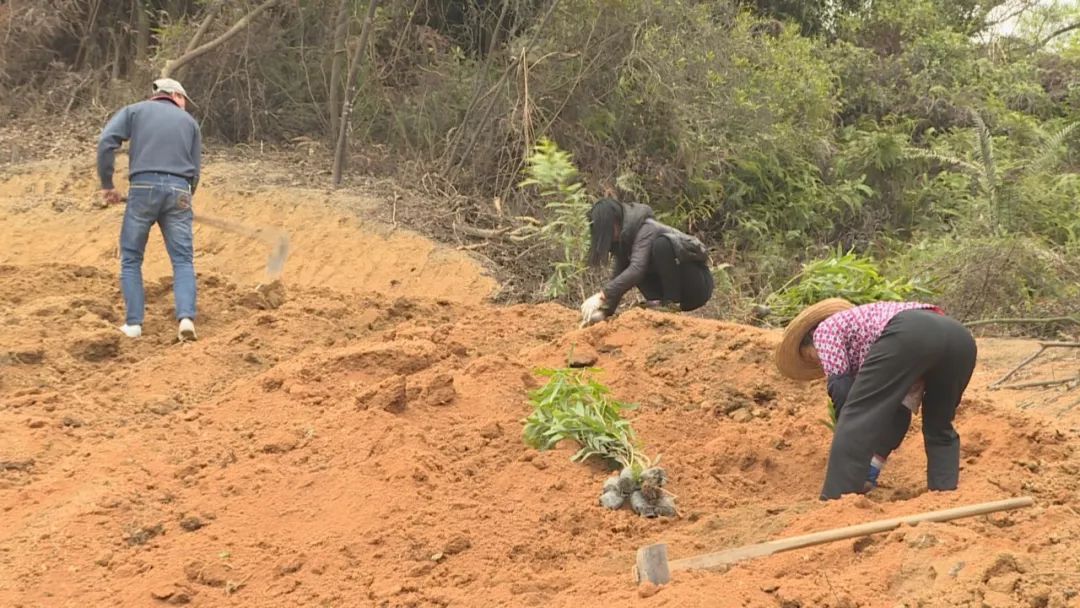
[[341, 35], [117, 54], [172, 66], [346, 106], [142, 33], [89, 36]]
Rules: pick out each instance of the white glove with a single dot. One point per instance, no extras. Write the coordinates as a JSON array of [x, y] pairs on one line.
[[591, 311], [913, 400]]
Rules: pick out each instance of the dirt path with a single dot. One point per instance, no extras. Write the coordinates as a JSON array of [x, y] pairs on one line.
[[355, 440]]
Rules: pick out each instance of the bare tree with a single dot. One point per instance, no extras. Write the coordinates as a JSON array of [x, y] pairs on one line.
[[142, 32], [192, 51], [341, 34], [346, 106]]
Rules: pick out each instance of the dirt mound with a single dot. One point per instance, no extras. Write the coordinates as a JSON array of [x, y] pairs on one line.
[[330, 244], [344, 446]]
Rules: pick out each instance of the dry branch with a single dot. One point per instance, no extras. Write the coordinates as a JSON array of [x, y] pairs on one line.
[[211, 13], [1058, 32], [173, 65], [480, 233], [517, 235], [1033, 321], [1043, 346], [1040, 383]]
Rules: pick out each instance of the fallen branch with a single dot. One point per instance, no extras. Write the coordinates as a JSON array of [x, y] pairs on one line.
[[480, 233], [1016, 321], [1043, 346], [1040, 383], [517, 235]]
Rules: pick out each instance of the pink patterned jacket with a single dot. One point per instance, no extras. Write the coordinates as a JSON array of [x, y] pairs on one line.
[[844, 339]]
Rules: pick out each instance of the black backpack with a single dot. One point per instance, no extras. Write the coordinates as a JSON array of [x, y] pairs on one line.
[[688, 249]]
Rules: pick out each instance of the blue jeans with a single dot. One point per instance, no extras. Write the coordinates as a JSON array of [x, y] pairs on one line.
[[163, 199]]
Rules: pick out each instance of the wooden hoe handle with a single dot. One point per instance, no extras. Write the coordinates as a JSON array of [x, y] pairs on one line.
[[652, 561]]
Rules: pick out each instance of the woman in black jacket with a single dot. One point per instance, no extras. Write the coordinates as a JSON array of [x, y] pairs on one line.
[[666, 265]]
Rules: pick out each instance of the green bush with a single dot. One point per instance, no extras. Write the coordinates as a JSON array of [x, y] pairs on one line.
[[994, 277], [843, 275]]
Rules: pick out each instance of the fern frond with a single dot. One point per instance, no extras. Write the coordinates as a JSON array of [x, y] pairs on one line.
[[945, 159], [1049, 154], [998, 215], [986, 150]]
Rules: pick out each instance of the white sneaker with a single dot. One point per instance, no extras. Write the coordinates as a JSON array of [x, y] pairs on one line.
[[187, 331], [132, 331]]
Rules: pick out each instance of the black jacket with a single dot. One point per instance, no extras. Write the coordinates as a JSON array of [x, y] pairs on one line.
[[632, 252]]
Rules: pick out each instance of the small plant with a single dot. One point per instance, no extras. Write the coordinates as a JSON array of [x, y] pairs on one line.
[[830, 422], [567, 225], [843, 275], [574, 405]]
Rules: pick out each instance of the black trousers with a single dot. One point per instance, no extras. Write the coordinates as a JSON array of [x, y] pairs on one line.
[[915, 343], [691, 285]]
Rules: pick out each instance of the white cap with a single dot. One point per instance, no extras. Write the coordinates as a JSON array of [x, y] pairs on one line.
[[170, 86]]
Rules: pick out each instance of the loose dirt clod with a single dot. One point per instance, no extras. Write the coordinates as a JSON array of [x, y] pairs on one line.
[[23, 465], [289, 566], [208, 574], [173, 595], [280, 443], [583, 356], [647, 589], [104, 559], [142, 535], [265, 297], [457, 545], [742, 415], [99, 347], [440, 390], [390, 395], [27, 357], [192, 523]]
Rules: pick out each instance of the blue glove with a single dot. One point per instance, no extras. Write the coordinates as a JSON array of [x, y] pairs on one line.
[[876, 464]]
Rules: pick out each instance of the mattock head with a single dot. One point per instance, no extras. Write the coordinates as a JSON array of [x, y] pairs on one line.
[[652, 565], [280, 252]]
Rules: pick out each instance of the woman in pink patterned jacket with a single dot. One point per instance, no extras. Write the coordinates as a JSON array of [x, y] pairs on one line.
[[881, 361]]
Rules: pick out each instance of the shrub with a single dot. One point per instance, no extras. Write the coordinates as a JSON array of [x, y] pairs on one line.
[[843, 275]]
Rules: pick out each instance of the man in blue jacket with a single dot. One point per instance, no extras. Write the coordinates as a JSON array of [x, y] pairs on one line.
[[164, 162]]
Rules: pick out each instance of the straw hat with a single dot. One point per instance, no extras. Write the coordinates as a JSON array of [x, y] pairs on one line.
[[788, 357]]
